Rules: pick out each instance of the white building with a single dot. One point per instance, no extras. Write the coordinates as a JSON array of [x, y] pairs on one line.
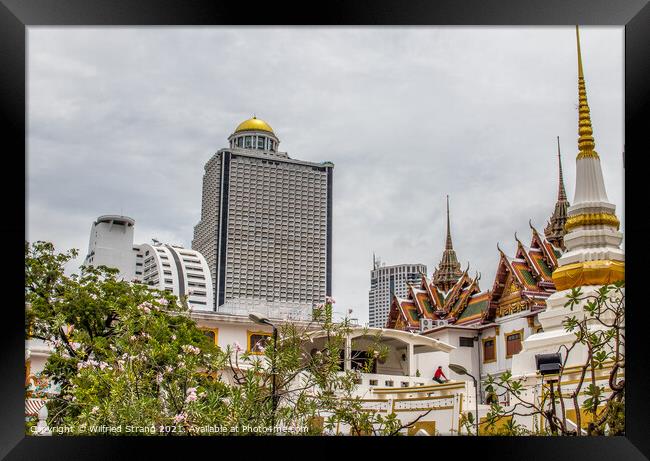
[[266, 221], [386, 281], [182, 271], [111, 244]]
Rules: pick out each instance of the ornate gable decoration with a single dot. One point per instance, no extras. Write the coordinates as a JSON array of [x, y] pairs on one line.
[[523, 282]]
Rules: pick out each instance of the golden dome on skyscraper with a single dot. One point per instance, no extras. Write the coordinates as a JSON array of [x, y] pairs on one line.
[[254, 124]]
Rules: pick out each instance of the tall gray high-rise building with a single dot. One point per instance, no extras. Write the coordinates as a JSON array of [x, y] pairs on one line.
[[266, 221], [386, 281]]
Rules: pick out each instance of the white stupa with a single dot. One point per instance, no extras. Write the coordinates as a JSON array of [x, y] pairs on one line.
[[593, 257]]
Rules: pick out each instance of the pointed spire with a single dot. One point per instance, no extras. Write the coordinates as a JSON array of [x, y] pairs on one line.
[[586, 144], [448, 271], [554, 230], [448, 245], [561, 194], [599, 257]]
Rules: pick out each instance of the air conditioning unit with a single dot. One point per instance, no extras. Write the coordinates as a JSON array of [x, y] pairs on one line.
[[440, 323], [426, 324]]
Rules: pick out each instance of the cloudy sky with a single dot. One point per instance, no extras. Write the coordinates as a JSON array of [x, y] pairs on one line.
[[122, 120]]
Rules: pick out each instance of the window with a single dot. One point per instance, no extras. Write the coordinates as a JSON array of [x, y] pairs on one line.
[[465, 342], [489, 350], [248, 142], [212, 333], [257, 341], [389, 383], [260, 142], [513, 342]]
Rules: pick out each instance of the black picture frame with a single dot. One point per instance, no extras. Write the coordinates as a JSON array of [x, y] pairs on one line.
[[16, 15]]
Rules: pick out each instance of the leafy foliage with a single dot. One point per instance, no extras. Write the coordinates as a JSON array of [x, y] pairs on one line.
[[599, 327], [130, 360]]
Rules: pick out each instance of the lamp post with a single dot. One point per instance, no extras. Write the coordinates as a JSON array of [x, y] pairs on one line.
[[461, 370], [259, 319], [550, 364]]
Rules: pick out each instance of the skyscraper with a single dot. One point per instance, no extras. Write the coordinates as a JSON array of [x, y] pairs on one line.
[[386, 281], [266, 221]]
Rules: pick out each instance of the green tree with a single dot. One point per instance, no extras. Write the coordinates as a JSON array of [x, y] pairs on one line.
[[601, 332], [123, 354], [131, 358]]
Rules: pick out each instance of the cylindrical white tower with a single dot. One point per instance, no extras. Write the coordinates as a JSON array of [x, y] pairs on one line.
[[111, 244]]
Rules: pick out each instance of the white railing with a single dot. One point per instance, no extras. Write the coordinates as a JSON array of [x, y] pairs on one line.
[[382, 380]]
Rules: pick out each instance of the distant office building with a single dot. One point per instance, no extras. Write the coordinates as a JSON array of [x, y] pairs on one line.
[[386, 281], [182, 271], [266, 221]]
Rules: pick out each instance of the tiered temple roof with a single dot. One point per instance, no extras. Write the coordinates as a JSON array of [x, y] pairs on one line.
[[448, 272], [524, 282], [521, 283], [554, 230]]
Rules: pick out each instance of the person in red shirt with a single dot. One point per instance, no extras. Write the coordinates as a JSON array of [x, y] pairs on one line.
[[439, 375]]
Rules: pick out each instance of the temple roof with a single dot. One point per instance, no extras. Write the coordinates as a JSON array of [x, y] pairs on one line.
[[526, 278], [448, 271], [554, 230]]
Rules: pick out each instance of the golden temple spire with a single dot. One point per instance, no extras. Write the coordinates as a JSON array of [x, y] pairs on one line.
[[448, 271], [592, 239], [586, 144]]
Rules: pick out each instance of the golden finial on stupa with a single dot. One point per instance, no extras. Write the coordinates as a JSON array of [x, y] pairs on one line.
[[586, 144]]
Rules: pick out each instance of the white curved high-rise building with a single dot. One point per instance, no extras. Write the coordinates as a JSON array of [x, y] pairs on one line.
[[182, 271], [179, 270]]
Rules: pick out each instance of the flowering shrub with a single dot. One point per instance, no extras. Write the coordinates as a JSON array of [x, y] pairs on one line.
[[124, 354]]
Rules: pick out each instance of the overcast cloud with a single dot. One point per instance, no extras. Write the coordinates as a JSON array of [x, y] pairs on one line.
[[122, 120]]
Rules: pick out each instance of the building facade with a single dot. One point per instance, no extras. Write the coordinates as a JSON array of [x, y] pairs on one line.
[[386, 281], [111, 244], [182, 271], [266, 221]]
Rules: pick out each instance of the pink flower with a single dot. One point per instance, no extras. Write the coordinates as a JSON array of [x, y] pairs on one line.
[[191, 394], [329, 300], [189, 349], [180, 417], [238, 347], [94, 410]]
